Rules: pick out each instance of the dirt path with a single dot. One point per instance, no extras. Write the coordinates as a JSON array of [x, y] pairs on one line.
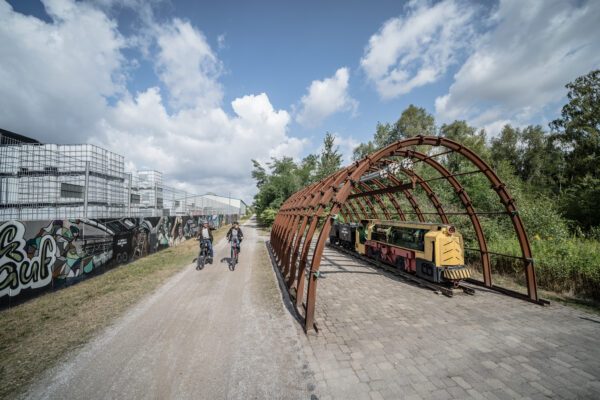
[[210, 334]]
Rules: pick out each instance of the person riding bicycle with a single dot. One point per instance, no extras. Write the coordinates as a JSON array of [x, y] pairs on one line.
[[235, 235], [205, 236]]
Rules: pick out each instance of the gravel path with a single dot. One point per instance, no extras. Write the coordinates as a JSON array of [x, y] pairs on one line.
[[210, 334]]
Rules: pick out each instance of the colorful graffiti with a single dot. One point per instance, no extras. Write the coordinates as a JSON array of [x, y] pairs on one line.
[[36, 256]]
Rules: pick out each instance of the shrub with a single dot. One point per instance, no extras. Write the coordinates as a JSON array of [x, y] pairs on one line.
[[568, 265], [267, 217]]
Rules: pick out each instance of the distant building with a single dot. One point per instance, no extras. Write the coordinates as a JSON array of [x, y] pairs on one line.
[[232, 205], [45, 181], [50, 181]]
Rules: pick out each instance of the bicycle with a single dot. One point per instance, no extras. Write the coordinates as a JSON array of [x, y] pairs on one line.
[[203, 256], [235, 250]]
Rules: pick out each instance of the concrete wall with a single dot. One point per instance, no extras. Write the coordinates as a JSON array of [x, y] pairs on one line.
[[37, 256]]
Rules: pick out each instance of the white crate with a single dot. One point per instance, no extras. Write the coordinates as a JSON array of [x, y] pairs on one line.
[[10, 157]]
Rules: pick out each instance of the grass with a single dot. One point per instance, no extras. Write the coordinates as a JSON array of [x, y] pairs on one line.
[[40, 333], [569, 266], [568, 299]]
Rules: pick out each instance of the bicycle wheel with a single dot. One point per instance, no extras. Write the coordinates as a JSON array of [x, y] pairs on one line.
[[201, 261]]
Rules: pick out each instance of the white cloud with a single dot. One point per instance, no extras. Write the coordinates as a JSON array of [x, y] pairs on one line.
[[523, 63], [188, 66], [346, 147], [56, 78], [204, 148], [325, 98], [416, 49]]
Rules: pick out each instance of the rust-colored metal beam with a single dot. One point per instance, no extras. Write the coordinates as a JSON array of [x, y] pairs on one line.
[[467, 204], [377, 200], [435, 201], [341, 193], [391, 189]]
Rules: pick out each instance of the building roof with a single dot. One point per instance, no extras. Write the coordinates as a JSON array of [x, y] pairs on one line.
[[4, 134], [233, 202]]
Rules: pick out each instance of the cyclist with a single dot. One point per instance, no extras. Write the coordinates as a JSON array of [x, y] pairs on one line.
[[235, 235], [205, 236]]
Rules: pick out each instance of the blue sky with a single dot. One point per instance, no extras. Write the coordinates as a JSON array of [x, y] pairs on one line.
[[197, 89]]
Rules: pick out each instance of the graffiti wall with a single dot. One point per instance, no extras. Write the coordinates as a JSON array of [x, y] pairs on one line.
[[36, 256]]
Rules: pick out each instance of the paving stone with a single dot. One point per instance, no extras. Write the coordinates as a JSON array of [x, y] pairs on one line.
[[461, 382], [401, 340]]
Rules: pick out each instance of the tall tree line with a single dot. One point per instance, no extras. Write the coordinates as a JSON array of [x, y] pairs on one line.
[[281, 177], [560, 163]]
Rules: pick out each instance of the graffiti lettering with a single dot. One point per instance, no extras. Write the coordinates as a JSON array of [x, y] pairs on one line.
[[17, 270], [8, 245], [59, 252]]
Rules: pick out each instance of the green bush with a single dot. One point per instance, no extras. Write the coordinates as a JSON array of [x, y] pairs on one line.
[[570, 265], [267, 217]]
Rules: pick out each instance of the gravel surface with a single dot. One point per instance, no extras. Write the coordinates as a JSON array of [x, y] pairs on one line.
[[210, 334]]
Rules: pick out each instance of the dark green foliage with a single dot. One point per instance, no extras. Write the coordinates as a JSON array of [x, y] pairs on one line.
[[578, 129], [413, 121], [578, 132], [581, 202], [285, 177], [276, 186], [505, 148], [553, 176], [363, 150], [533, 154], [330, 159], [384, 135], [461, 132]]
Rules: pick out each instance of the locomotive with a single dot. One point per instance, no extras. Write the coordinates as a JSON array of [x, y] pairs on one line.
[[433, 252]]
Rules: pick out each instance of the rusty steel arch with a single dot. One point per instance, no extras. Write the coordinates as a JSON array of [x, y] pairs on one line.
[[318, 204]]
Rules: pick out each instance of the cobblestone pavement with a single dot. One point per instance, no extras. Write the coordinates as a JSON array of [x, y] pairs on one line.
[[381, 338]]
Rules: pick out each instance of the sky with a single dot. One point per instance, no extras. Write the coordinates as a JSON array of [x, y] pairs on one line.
[[196, 89]]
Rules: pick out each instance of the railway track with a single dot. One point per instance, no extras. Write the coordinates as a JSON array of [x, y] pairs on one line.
[[445, 290]]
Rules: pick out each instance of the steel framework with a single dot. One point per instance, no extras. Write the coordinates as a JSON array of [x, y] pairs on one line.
[[52, 181], [349, 192]]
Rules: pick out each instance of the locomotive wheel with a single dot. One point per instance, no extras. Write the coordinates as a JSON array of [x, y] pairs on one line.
[[400, 263]]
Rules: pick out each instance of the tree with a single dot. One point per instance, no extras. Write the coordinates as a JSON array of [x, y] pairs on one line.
[[259, 174], [413, 121], [330, 159], [285, 177], [505, 148], [578, 132], [580, 202], [537, 158], [274, 187], [307, 169], [362, 150], [461, 132], [384, 135], [578, 129]]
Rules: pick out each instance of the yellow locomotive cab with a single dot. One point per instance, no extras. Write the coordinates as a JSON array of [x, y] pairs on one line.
[[437, 249], [448, 248]]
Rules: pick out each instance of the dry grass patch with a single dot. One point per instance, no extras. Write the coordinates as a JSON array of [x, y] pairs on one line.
[[567, 299], [36, 335]]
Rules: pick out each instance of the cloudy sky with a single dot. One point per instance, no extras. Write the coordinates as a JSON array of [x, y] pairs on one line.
[[197, 89]]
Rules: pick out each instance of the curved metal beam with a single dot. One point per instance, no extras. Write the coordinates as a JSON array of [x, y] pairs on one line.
[[297, 224]]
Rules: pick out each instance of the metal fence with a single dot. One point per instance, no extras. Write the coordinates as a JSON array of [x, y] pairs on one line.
[[50, 181]]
